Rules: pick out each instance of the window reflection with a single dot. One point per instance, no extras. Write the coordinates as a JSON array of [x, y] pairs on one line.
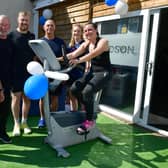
[[124, 37], [119, 26]]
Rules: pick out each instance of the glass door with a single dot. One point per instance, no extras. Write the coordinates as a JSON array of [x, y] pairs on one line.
[[128, 40], [150, 63], [154, 113]]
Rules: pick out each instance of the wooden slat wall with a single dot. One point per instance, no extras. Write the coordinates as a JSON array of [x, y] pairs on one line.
[[66, 14], [81, 11], [101, 9]]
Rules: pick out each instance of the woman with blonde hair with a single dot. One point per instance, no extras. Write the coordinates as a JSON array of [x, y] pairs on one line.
[[77, 72], [77, 36]]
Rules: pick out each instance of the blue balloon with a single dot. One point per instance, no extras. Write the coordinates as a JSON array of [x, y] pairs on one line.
[[36, 87], [42, 20], [110, 2]]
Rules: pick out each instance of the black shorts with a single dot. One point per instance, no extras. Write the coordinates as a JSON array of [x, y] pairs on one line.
[[74, 74], [56, 91], [18, 85]]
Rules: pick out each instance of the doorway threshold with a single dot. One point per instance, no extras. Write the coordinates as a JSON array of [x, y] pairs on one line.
[[128, 118], [153, 128], [116, 113]]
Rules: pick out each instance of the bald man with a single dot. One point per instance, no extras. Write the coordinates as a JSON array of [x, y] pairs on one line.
[[5, 76]]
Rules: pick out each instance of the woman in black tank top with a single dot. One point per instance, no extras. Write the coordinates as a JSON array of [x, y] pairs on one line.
[[96, 77]]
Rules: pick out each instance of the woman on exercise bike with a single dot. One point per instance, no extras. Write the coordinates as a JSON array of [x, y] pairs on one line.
[[96, 50]]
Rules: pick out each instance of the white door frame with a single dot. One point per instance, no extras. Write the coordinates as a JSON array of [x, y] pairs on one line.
[[151, 65], [141, 67], [150, 74], [136, 118]]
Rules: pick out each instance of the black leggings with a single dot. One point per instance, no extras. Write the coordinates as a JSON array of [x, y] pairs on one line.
[[86, 87]]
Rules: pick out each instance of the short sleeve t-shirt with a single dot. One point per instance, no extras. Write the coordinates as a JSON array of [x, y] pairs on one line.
[[23, 54]]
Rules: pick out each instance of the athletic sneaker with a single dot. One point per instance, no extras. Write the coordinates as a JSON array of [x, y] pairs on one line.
[[5, 138], [25, 128], [85, 127], [16, 130], [41, 123], [88, 124]]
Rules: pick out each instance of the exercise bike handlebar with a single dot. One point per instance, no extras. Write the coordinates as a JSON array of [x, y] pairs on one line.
[[44, 52], [66, 61]]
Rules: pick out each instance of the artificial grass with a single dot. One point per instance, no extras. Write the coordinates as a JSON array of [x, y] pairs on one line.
[[132, 147]]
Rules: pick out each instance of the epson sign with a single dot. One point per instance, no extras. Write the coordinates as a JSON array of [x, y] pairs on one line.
[[124, 48]]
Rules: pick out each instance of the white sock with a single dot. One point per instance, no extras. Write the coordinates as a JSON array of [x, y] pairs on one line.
[[17, 121], [24, 120]]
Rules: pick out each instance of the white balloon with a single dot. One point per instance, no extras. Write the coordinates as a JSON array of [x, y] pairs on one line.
[[57, 75], [121, 7], [47, 13], [34, 68]]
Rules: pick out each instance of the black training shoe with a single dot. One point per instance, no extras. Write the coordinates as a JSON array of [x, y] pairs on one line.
[[5, 138]]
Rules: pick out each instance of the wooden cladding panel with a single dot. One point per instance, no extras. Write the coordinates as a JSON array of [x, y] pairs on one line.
[[78, 7], [81, 11], [71, 11], [66, 14], [101, 9]]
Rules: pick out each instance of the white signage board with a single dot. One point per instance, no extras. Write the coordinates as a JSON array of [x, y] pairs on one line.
[[124, 48]]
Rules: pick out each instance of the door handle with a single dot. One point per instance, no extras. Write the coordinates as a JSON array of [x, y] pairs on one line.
[[150, 68]]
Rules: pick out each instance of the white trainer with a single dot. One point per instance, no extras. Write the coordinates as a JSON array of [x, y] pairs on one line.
[[25, 128], [16, 130]]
